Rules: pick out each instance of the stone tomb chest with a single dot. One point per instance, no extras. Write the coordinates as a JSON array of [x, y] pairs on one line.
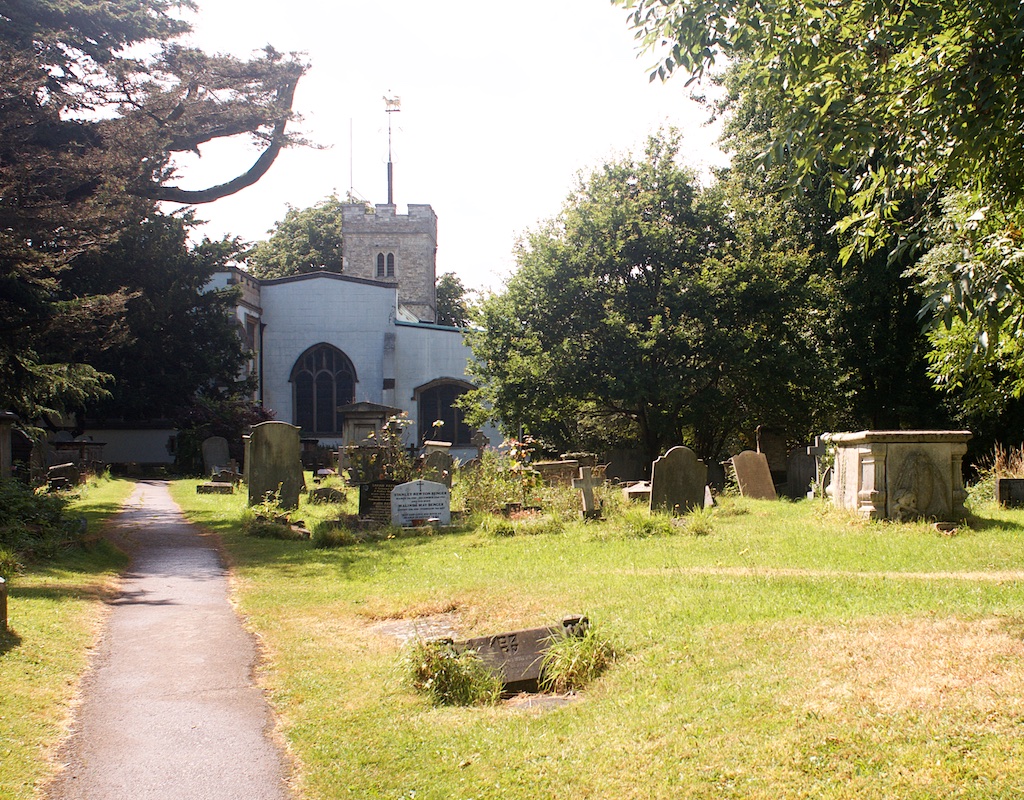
[[900, 474]]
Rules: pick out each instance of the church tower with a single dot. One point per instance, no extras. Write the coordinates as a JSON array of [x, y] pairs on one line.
[[383, 245]]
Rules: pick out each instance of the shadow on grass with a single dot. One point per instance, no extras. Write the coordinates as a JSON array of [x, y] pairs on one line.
[[990, 524], [8, 641]]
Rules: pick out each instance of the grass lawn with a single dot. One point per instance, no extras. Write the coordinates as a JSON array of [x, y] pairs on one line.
[[55, 611], [792, 652]]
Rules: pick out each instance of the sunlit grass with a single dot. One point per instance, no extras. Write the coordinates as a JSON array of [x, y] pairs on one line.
[[792, 651], [55, 610]]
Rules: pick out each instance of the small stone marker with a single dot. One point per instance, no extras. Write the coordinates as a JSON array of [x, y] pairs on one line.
[[639, 492], [375, 500], [480, 441], [438, 466], [678, 479], [557, 473], [517, 656], [585, 483], [416, 502], [215, 487], [215, 454], [275, 465], [753, 475]]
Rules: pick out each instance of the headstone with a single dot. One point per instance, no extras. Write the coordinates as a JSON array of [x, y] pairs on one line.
[[678, 479], [215, 454], [480, 441], [437, 467], [215, 487], [274, 463], [639, 492], [557, 473], [418, 502], [800, 473], [375, 500], [818, 451], [517, 656], [62, 475], [7, 420], [753, 475], [585, 483], [432, 445], [1010, 492], [771, 443]]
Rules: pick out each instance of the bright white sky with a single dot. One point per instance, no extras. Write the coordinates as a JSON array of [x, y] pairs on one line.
[[503, 103]]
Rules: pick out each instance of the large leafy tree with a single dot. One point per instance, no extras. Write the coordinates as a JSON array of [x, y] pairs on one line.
[[306, 240], [452, 306], [96, 98], [644, 312], [897, 106]]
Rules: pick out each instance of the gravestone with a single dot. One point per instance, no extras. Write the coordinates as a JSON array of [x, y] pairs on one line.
[[275, 465], [375, 500], [438, 466], [1010, 492], [900, 474], [63, 476], [215, 454], [819, 451], [557, 473], [800, 473], [7, 421], [639, 492], [585, 483], [753, 475], [678, 479], [215, 487], [517, 656], [480, 441], [416, 502]]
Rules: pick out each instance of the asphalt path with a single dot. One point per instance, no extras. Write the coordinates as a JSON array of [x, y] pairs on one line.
[[169, 709]]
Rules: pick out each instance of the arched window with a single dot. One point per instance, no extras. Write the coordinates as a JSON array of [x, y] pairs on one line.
[[380, 265], [436, 402], [322, 379], [391, 265]]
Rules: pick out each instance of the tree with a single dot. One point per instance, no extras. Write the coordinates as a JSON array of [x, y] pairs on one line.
[[637, 311], [452, 308], [96, 98], [306, 240], [176, 340], [897, 106]]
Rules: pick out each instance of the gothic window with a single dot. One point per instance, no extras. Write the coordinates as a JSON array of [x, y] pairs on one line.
[[322, 379], [391, 265], [436, 402], [380, 265]]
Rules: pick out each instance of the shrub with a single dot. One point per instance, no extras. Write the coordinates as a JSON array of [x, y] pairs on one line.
[[698, 522], [450, 677], [35, 524], [573, 661], [329, 534], [9, 564]]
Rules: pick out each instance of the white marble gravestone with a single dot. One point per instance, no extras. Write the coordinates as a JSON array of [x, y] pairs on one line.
[[416, 502], [900, 474]]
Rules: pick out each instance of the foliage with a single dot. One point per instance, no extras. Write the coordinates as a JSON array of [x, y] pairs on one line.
[[306, 240], [896, 106], [452, 306], [35, 525], [451, 677], [639, 309], [386, 457], [206, 416], [268, 519], [574, 661], [96, 101]]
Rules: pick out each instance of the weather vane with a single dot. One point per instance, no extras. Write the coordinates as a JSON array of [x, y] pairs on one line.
[[391, 105]]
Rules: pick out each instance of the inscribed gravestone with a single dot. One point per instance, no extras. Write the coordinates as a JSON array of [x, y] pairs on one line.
[[215, 454], [418, 501], [437, 467], [275, 464], [678, 479], [753, 475], [375, 500]]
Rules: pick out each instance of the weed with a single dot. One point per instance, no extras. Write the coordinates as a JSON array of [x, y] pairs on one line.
[[451, 677], [528, 525], [639, 523], [9, 564], [327, 535], [698, 522], [573, 661]]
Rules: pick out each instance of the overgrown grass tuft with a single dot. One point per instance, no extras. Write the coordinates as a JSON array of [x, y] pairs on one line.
[[450, 677], [574, 661]]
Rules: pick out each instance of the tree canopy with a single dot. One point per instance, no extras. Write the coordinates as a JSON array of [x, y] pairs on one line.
[[306, 240], [96, 98], [452, 307], [644, 312]]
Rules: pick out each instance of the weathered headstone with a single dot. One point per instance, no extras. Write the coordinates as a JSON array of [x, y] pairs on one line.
[[557, 473], [1010, 492], [61, 476], [753, 476], [818, 451], [480, 441], [586, 484], [274, 466], [417, 502], [800, 473], [215, 454], [678, 479], [639, 492], [216, 487], [438, 466], [375, 500], [518, 656]]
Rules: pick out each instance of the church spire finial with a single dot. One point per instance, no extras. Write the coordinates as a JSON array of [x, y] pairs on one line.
[[391, 105]]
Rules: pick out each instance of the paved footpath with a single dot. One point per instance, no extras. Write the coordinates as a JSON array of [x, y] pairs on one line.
[[169, 709]]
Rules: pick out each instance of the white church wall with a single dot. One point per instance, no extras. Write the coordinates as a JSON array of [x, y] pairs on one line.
[[303, 311]]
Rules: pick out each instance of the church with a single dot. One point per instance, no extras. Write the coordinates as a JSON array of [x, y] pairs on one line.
[[335, 353]]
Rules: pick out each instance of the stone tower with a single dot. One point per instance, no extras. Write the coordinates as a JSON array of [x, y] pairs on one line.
[[382, 245]]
